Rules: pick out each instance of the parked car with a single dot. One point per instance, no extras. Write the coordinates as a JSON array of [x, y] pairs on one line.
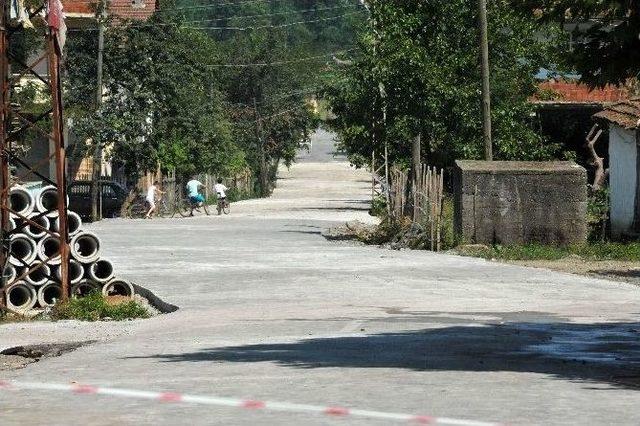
[[113, 196]]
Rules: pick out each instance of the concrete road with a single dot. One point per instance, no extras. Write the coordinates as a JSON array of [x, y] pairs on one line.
[[270, 310]]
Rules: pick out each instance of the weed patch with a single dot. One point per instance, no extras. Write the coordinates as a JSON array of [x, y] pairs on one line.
[[95, 306], [592, 251]]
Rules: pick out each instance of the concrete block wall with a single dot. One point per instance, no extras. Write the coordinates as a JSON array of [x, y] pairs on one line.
[[510, 202]]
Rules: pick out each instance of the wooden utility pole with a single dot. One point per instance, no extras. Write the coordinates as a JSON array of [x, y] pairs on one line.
[[486, 87], [416, 164], [5, 100], [264, 181], [60, 160], [96, 194]]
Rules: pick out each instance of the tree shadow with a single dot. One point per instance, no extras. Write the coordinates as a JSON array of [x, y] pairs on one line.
[[352, 208], [630, 273], [601, 352], [302, 232]]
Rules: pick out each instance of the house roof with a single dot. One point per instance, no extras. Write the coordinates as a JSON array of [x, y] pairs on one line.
[[574, 92], [124, 9], [625, 114]]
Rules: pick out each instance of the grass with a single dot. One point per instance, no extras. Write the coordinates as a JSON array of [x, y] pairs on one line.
[[590, 251], [95, 306]]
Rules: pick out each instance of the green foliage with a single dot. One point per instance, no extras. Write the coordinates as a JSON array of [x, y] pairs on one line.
[[598, 214], [607, 42], [162, 101], [378, 206], [182, 93], [94, 307], [419, 62]]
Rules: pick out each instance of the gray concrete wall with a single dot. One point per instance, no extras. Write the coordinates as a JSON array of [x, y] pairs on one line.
[[504, 202]]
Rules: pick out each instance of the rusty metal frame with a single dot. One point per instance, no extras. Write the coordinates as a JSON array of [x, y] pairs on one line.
[[51, 136]]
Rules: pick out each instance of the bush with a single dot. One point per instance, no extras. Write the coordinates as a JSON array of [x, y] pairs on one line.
[[598, 214], [95, 306]]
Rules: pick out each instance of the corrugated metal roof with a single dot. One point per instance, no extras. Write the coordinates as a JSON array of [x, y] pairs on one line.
[[625, 114]]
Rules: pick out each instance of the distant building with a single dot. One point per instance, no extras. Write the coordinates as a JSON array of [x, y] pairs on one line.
[[126, 9], [624, 166]]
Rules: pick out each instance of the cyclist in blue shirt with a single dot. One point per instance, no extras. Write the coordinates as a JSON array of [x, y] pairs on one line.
[[193, 189]]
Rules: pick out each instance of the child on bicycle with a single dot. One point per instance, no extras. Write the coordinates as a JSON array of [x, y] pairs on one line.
[[221, 193]]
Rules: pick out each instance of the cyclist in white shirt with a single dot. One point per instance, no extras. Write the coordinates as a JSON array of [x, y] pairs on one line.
[[221, 190], [221, 193]]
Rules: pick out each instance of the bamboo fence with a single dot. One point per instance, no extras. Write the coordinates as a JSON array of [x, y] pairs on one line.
[[421, 200]]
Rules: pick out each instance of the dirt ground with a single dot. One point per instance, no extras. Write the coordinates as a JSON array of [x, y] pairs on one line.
[[626, 271]]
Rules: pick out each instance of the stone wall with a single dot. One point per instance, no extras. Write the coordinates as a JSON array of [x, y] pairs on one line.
[[510, 202]]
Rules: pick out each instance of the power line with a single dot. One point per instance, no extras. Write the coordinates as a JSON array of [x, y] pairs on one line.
[[266, 64], [247, 28], [263, 15], [205, 6]]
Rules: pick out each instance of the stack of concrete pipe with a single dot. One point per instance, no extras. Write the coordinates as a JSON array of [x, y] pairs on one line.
[[88, 271]]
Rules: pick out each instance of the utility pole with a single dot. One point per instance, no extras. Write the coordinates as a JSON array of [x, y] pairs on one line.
[[383, 94], [264, 181], [5, 102], [416, 161], [96, 194], [486, 87]]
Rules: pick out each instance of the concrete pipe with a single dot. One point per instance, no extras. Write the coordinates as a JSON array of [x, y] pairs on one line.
[[85, 247], [84, 288], [23, 250], [100, 271], [21, 296], [76, 272], [10, 274], [117, 287], [47, 247], [34, 231], [74, 224], [49, 294], [39, 276], [12, 224], [47, 201], [21, 201]]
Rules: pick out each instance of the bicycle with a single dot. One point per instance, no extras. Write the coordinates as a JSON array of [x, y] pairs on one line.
[[223, 206], [139, 208], [187, 207]]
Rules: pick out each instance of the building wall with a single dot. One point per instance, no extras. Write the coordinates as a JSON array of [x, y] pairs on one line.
[[511, 202], [623, 176]]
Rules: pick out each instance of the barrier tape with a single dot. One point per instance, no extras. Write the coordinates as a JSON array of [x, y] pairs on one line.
[[170, 397]]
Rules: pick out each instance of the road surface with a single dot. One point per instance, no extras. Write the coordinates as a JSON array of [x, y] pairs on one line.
[[270, 310]]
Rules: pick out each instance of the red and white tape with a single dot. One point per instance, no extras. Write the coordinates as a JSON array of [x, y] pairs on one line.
[[170, 397]]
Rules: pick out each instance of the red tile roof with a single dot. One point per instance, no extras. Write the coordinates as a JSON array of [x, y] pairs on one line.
[[575, 92], [126, 9]]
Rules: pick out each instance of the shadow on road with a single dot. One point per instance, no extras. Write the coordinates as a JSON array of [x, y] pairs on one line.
[[608, 352], [629, 273]]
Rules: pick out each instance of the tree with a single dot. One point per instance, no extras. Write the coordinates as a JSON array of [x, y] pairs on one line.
[[419, 65], [163, 104], [606, 34]]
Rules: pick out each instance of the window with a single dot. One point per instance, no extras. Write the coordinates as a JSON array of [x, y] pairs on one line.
[[108, 191], [80, 189]]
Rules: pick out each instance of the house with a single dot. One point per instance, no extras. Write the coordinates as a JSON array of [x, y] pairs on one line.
[[564, 109], [623, 119]]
